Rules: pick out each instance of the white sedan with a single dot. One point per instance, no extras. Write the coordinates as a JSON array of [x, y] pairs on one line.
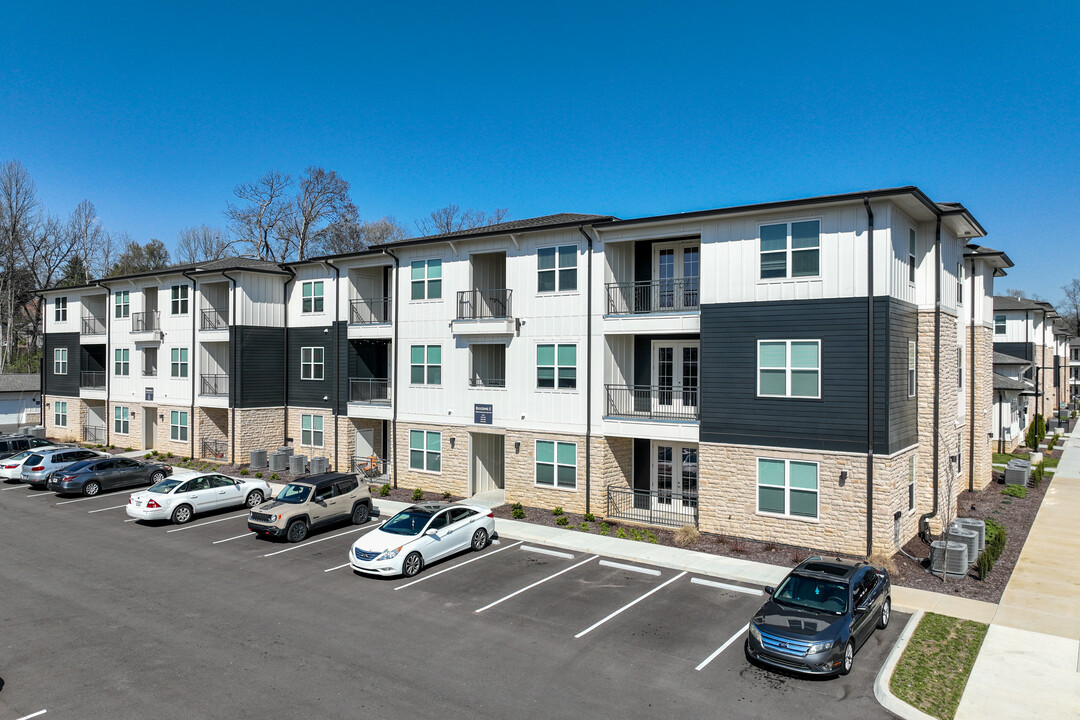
[[11, 468], [422, 534], [181, 498]]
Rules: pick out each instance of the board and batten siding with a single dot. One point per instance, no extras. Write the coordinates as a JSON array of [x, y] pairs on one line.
[[62, 384], [260, 299], [258, 357]]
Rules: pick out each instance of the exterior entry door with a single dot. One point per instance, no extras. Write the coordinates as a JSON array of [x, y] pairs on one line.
[[674, 477], [675, 379], [676, 269], [364, 446]]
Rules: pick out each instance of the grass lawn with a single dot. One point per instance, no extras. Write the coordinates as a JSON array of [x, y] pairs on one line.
[[1003, 458], [1051, 462], [934, 668]]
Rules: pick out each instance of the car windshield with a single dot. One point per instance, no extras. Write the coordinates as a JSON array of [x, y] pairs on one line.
[[165, 486], [813, 594], [407, 522], [294, 494], [21, 456]]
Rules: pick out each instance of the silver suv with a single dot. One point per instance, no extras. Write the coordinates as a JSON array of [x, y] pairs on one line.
[[39, 466]]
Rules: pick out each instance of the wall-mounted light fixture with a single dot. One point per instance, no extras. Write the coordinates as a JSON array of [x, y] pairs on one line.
[[452, 440], [517, 447], [843, 476], [161, 417]]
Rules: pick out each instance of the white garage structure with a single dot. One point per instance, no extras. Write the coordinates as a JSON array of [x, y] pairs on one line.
[[20, 400]]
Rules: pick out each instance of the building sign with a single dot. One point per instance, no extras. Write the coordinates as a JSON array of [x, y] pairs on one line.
[[482, 414], [150, 394]]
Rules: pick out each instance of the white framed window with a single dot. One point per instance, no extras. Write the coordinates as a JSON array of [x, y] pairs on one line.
[[999, 324], [959, 284], [123, 303], [179, 363], [960, 371], [912, 364], [556, 464], [790, 249], [60, 413], [60, 361], [789, 368], [426, 279], [911, 256], [556, 366], [121, 420], [60, 309], [178, 425], [425, 450], [122, 365], [179, 299], [312, 297], [425, 365], [787, 487], [911, 482], [311, 430], [312, 365], [556, 269]]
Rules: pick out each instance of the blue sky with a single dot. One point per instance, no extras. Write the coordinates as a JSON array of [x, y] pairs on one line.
[[155, 111]]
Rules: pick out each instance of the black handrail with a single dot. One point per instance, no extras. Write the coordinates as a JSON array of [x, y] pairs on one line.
[[147, 321], [653, 402], [482, 382], [374, 391], [214, 319], [653, 507], [92, 325], [214, 385], [214, 448], [93, 380], [484, 304], [373, 311], [653, 296], [94, 433]]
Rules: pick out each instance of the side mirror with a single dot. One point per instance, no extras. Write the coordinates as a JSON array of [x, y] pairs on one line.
[[434, 532], [769, 590]]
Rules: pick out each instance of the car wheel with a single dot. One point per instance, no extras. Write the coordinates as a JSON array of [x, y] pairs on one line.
[[361, 514], [91, 488], [414, 562], [479, 539], [297, 531], [849, 658], [886, 611], [255, 497], [182, 514], [156, 477]]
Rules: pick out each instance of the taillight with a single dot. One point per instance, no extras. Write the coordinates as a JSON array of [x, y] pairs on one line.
[[152, 504], [10, 467], [491, 514], [36, 469]]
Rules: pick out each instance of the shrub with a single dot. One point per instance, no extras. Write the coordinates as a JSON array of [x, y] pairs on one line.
[[518, 513], [112, 447], [417, 494], [557, 511], [148, 456], [1040, 423], [169, 455], [686, 535], [604, 528], [384, 491], [187, 459], [995, 543], [275, 476], [446, 495], [127, 449], [589, 517], [1016, 491], [1031, 438], [258, 474], [584, 526], [562, 520], [244, 471], [1038, 474], [620, 533], [516, 506]]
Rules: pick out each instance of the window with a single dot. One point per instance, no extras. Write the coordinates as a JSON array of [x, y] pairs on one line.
[[60, 414], [911, 483], [311, 363], [911, 256], [556, 366], [149, 362], [60, 309], [794, 245], [313, 297], [960, 370], [121, 424], [959, 284], [60, 361], [999, 324], [179, 368], [123, 303], [556, 269], [178, 425], [556, 464], [426, 364], [426, 279], [122, 364], [425, 450], [789, 368], [311, 430], [788, 487], [179, 299], [912, 361]]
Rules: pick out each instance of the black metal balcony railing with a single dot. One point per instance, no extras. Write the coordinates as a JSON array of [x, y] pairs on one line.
[[149, 372], [652, 507], [374, 391], [94, 434], [486, 382], [214, 448], [653, 296], [92, 380], [214, 385], [92, 325], [147, 321], [483, 304], [214, 320], [650, 402], [369, 312]]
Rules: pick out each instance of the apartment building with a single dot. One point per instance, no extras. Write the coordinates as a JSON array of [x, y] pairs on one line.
[[1074, 369], [816, 372]]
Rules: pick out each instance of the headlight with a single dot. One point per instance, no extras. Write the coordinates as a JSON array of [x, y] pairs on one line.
[[755, 633], [819, 647], [389, 554]]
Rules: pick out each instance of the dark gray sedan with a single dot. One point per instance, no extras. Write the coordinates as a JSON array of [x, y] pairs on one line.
[[89, 477]]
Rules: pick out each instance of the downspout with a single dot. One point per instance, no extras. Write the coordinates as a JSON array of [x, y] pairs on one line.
[[1001, 421], [285, 364], [869, 379], [191, 363], [394, 369], [41, 362], [108, 341], [925, 517], [588, 372], [337, 356], [232, 371], [971, 383]]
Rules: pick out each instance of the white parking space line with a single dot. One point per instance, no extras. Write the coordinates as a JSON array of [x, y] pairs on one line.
[[114, 507], [218, 542], [545, 551], [723, 647], [43, 494], [312, 542], [538, 582], [725, 586], [14, 487], [629, 605], [208, 522], [131, 520], [337, 568], [82, 499], [631, 568], [428, 576], [32, 715]]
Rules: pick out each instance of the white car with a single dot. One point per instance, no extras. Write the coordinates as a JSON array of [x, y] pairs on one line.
[[422, 534], [181, 498], [11, 468]]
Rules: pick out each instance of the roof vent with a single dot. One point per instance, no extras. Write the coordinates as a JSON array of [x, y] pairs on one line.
[[949, 558]]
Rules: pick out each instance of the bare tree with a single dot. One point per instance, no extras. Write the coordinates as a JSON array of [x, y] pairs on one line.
[[452, 218], [197, 244], [1070, 306], [1021, 295], [92, 243], [18, 218], [53, 248], [259, 220], [322, 199], [349, 237]]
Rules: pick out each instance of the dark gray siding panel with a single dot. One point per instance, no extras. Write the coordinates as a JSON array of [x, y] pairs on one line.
[[259, 366], [642, 449], [310, 393], [903, 416], [62, 384]]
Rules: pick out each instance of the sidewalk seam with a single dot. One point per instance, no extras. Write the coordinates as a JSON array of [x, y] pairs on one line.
[[881, 683]]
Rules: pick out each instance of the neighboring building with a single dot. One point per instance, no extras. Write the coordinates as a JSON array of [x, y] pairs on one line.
[[750, 370], [1012, 394], [1074, 370], [20, 400]]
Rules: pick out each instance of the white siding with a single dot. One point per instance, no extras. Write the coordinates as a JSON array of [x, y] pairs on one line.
[[259, 299]]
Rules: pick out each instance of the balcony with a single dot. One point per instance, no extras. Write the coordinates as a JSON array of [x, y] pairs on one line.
[[484, 312], [94, 434], [214, 385], [373, 311], [477, 381], [93, 325], [652, 507], [214, 319], [652, 402], [370, 391], [92, 380], [148, 321], [653, 296]]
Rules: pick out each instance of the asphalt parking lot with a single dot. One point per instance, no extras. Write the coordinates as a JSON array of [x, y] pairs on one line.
[[103, 617]]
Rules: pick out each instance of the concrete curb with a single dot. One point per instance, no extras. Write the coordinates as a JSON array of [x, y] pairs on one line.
[[881, 683]]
